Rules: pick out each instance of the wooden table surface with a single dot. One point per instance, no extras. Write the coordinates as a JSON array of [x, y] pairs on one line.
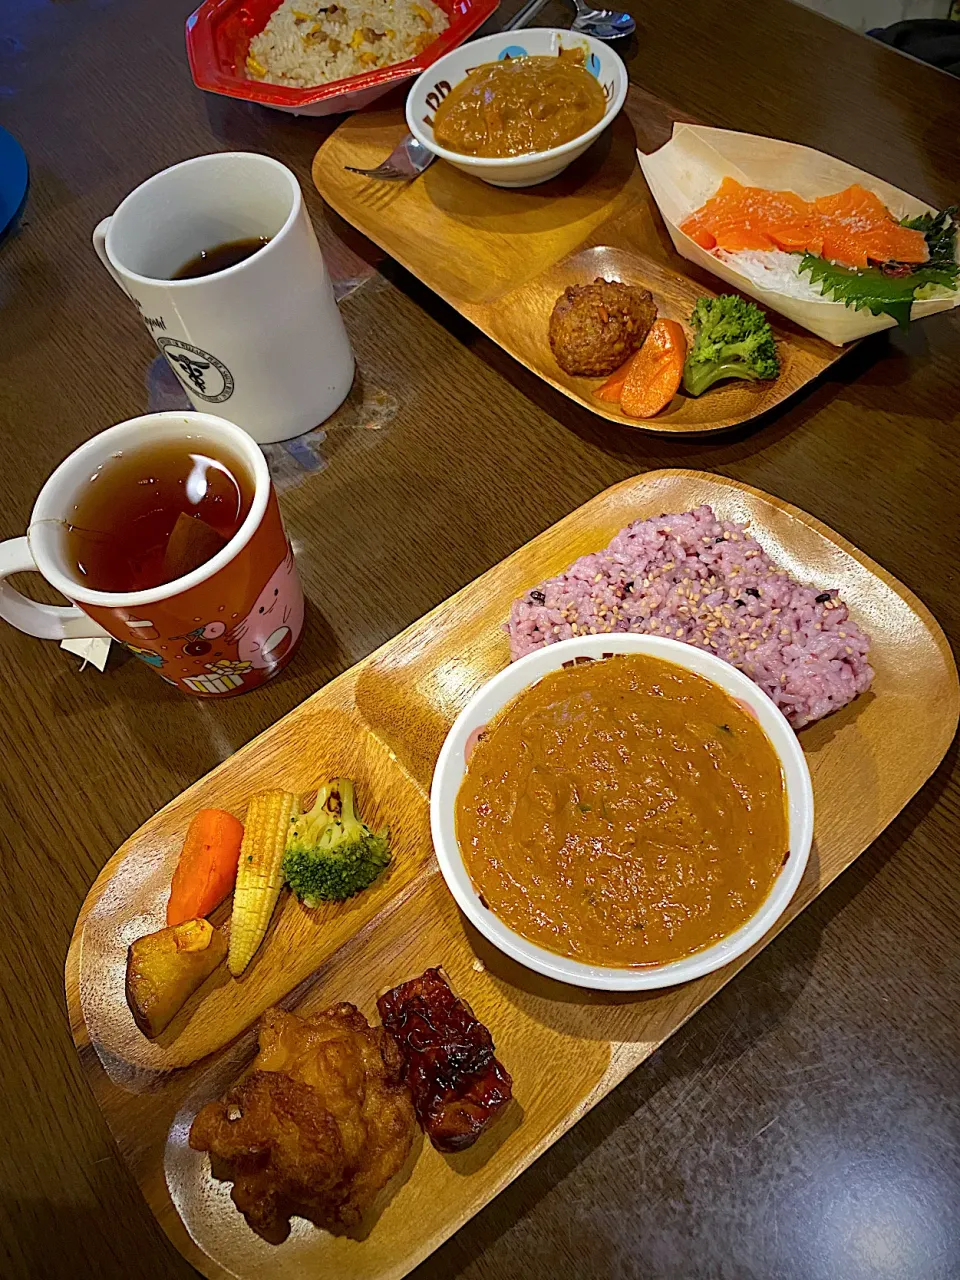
[[805, 1125]]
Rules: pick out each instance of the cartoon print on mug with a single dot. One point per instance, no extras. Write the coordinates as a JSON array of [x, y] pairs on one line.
[[199, 642], [238, 650], [145, 655], [142, 628], [273, 625], [225, 677]]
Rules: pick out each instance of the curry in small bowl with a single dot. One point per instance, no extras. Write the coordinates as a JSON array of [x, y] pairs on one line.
[[624, 813], [516, 108], [520, 105]]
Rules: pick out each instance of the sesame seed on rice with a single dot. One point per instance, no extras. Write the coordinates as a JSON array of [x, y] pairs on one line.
[[683, 580]]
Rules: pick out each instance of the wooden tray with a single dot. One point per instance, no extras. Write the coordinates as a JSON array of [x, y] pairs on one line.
[[502, 257], [383, 722]]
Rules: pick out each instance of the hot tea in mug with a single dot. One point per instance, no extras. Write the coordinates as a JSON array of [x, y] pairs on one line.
[[166, 532], [209, 261], [149, 515]]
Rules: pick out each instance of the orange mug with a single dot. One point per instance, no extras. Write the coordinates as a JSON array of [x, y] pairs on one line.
[[224, 628]]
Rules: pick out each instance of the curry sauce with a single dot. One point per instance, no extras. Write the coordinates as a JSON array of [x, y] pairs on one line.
[[623, 812], [520, 105]]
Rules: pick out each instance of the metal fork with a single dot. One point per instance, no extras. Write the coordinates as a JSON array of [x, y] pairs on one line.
[[407, 159], [410, 157]]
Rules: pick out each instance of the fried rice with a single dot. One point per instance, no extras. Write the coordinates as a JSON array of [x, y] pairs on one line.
[[312, 42]]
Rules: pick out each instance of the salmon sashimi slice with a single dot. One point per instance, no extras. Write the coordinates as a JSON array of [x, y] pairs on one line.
[[718, 211], [732, 219], [740, 217], [858, 227], [851, 227]]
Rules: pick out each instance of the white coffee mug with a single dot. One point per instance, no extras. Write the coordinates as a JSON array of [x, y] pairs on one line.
[[260, 343]]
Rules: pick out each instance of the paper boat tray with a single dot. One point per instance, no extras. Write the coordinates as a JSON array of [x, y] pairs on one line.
[[687, 171]]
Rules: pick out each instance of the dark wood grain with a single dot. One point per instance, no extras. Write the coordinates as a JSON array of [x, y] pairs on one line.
[[804, 1125]]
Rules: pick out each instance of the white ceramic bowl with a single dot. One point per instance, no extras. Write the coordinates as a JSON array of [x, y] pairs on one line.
[[430, 88], [503, 688]]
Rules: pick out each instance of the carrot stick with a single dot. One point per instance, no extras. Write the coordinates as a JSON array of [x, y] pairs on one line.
[[207, 867], [655, 371], [611, 389]]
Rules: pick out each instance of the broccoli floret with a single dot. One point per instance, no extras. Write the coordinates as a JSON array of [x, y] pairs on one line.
[[733, 340], [331, 853]]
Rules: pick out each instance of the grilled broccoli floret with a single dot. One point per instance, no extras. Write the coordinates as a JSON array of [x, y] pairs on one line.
[[733, 340], [331, 852]]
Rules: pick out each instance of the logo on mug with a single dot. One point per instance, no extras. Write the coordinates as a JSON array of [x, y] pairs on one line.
[[201, 373]]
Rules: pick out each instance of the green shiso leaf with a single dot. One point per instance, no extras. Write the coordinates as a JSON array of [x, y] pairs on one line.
[[871, 289], [892, 290]]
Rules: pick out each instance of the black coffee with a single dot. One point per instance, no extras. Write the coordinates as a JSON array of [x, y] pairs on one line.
[[219, 258]]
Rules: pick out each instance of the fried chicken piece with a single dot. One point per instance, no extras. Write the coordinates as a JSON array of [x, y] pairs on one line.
[[459, 1087], [318, 1128], [282, 1150], [595, 328], [357, 1070]]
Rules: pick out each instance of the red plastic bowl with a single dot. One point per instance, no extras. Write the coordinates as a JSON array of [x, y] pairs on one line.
[[219, 35]]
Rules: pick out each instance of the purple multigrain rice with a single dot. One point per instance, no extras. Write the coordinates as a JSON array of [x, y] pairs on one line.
[[708, 582]]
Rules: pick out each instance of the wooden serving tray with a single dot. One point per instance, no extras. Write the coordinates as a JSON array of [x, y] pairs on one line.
[[503, 257], [383, 722]]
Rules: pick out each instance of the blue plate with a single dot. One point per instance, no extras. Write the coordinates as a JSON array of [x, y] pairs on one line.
[[14, 180]]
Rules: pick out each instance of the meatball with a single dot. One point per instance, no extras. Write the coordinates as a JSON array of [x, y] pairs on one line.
[[595, 327]]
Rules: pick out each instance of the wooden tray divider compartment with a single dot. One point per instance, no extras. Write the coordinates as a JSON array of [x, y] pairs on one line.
[[502, 257]]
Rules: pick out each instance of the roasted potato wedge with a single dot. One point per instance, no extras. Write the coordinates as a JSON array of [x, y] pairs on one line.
[[165, 968]]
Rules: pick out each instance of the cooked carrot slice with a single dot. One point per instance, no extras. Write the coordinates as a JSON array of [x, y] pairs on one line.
[[613, 386], [655, 371], [659, 386]]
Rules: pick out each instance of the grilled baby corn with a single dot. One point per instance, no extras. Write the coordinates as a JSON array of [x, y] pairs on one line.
[[260, 873]]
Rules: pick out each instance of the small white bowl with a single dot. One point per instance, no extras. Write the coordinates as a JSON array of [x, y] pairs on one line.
[[430, 88], [510, 682]]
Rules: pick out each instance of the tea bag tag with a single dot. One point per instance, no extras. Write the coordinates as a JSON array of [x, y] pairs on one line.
[[96, 650]]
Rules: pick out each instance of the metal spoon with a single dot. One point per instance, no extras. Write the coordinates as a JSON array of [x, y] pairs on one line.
[[603, 24]]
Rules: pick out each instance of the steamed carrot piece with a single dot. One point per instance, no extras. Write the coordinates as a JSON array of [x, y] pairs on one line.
[[207, 868], [613, 387], [653, 394], [655, 371]]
